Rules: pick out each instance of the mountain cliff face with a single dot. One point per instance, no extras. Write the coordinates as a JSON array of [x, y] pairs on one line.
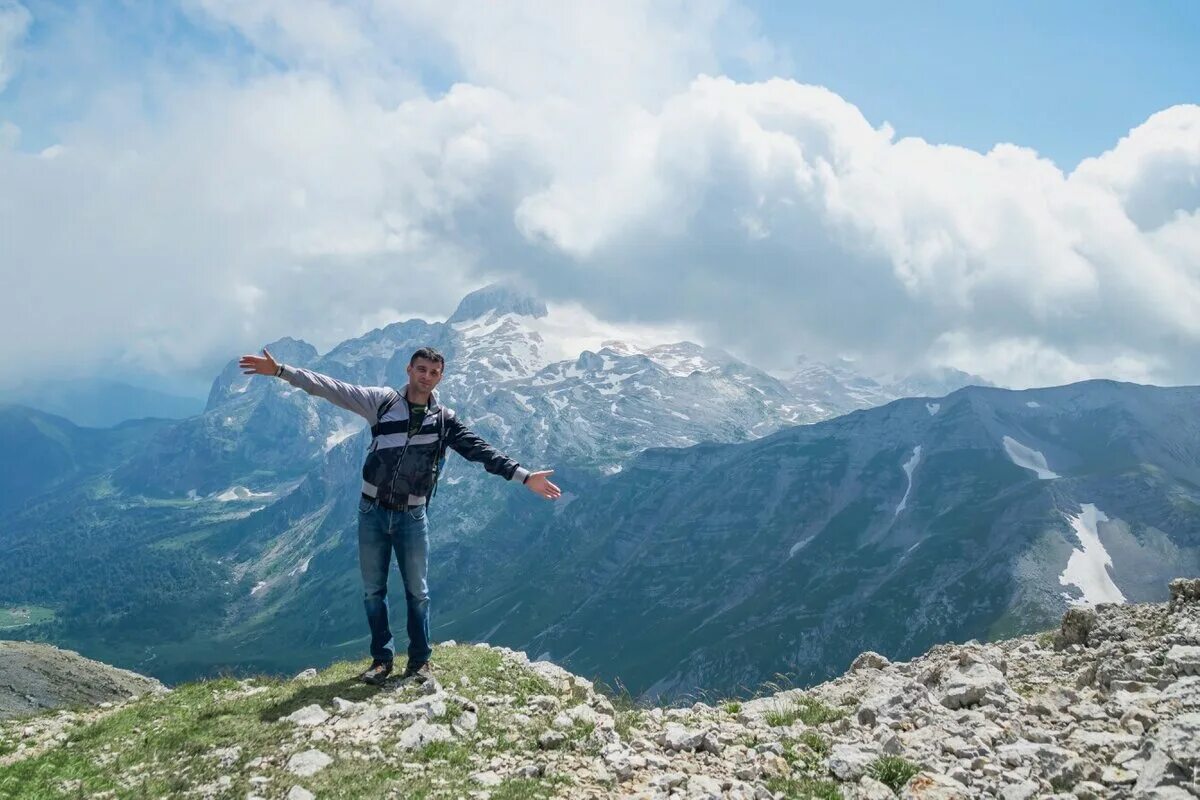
[[1106, 706]]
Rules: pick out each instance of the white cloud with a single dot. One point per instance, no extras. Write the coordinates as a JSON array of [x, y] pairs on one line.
[[14, 23], [597, 156]]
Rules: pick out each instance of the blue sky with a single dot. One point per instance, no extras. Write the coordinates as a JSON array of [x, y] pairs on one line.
[[1065, 78], [181, 182]]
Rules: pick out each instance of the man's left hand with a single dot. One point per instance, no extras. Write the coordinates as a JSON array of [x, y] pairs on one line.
[[539, 483]]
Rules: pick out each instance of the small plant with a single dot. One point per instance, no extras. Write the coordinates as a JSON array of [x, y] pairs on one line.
[[815, 742], [804, 789], [732, 707], [1045, 639], [808, 710], [892, 771]]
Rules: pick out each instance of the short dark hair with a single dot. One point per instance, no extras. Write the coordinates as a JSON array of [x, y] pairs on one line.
[[429, 354]]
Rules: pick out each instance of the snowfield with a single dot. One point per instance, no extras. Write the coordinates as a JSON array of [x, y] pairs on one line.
[[1087, 569], [1028, 458]]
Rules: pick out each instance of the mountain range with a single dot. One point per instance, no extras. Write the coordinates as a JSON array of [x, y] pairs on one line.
[[718, 524]]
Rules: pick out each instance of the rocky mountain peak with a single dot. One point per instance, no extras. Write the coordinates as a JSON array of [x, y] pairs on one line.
[[500, 298], [231, 382]]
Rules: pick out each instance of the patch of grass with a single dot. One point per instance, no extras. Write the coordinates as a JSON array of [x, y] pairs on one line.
[[19, 616], [804, 788], [160, 746], [808, 710], [629, 711], [452, 712], [815, 742], [523, 788], [732, 707], [893, 771], [1045, 639]]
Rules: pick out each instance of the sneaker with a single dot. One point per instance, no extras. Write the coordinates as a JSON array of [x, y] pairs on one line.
[[377, 673], [420, 672]]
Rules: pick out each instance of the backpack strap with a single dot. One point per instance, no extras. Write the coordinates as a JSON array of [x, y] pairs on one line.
[[439, 462], [377, 429]]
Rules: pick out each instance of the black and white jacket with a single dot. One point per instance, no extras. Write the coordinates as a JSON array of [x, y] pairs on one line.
[[400, 469]]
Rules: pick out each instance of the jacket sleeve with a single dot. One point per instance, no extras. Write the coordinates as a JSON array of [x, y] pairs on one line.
[[362, 400], [470, 446]]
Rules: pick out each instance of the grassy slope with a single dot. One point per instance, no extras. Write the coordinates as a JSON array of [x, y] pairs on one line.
[[159, 746]]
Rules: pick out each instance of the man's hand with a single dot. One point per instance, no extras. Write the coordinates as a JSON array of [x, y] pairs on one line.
[[539, 483], [259, 365]]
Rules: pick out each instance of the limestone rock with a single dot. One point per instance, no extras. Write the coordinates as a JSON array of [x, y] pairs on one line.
[[932, 786], [308, 763], [309, 716]]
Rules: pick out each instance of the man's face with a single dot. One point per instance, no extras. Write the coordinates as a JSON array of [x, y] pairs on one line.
[[424, 374]]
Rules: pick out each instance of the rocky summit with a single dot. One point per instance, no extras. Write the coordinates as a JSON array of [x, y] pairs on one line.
[[1107, 706]]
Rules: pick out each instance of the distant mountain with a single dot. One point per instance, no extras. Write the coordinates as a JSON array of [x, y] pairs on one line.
[[837, 388], [232, 531], [980, 514], [100, 403], [42, 452]]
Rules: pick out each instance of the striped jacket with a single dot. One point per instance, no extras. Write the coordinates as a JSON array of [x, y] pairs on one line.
[[401, 470]]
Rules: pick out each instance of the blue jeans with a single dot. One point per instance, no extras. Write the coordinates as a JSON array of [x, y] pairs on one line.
[[380, 532]]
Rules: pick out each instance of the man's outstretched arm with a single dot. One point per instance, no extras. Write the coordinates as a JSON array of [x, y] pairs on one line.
[[362, 400], [470, 446]]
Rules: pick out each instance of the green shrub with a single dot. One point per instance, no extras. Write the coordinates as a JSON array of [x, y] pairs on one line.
[[808, 710], [892, 771]]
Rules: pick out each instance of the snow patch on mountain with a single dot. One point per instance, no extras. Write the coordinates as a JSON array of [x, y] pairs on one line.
[[933, 408], [1033, 404], [240, 493], [1028, 458], [300, 568], [909, 466], [341, 433], [798, 546], [1087, 569]]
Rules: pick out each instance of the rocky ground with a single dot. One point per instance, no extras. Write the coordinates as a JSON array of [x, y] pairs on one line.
[[35, 677], [1108, 706]]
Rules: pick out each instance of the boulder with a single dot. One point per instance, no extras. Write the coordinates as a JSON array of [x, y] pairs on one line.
[[1076, 624]]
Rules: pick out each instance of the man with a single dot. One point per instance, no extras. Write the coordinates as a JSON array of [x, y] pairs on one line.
[[410, 432]]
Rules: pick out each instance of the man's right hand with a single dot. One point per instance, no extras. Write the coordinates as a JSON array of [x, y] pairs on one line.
[[259, 365]]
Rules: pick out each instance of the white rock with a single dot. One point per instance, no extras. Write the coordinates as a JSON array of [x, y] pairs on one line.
[[421, 733], [869, 660], [487, 778], [1184, 659], [703, 787], [300, 793], [311, 672], [676, 737], [871, 789], [932, 786], [967, 684], [466, 721], [308, 716], [310, 762], [849, 762], [343, 706], [1022, 790]]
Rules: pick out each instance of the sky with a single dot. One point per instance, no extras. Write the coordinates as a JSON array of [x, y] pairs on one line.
[[1009, 189]]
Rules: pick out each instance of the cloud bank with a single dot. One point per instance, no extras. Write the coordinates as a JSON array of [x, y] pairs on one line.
[[356, 162]]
